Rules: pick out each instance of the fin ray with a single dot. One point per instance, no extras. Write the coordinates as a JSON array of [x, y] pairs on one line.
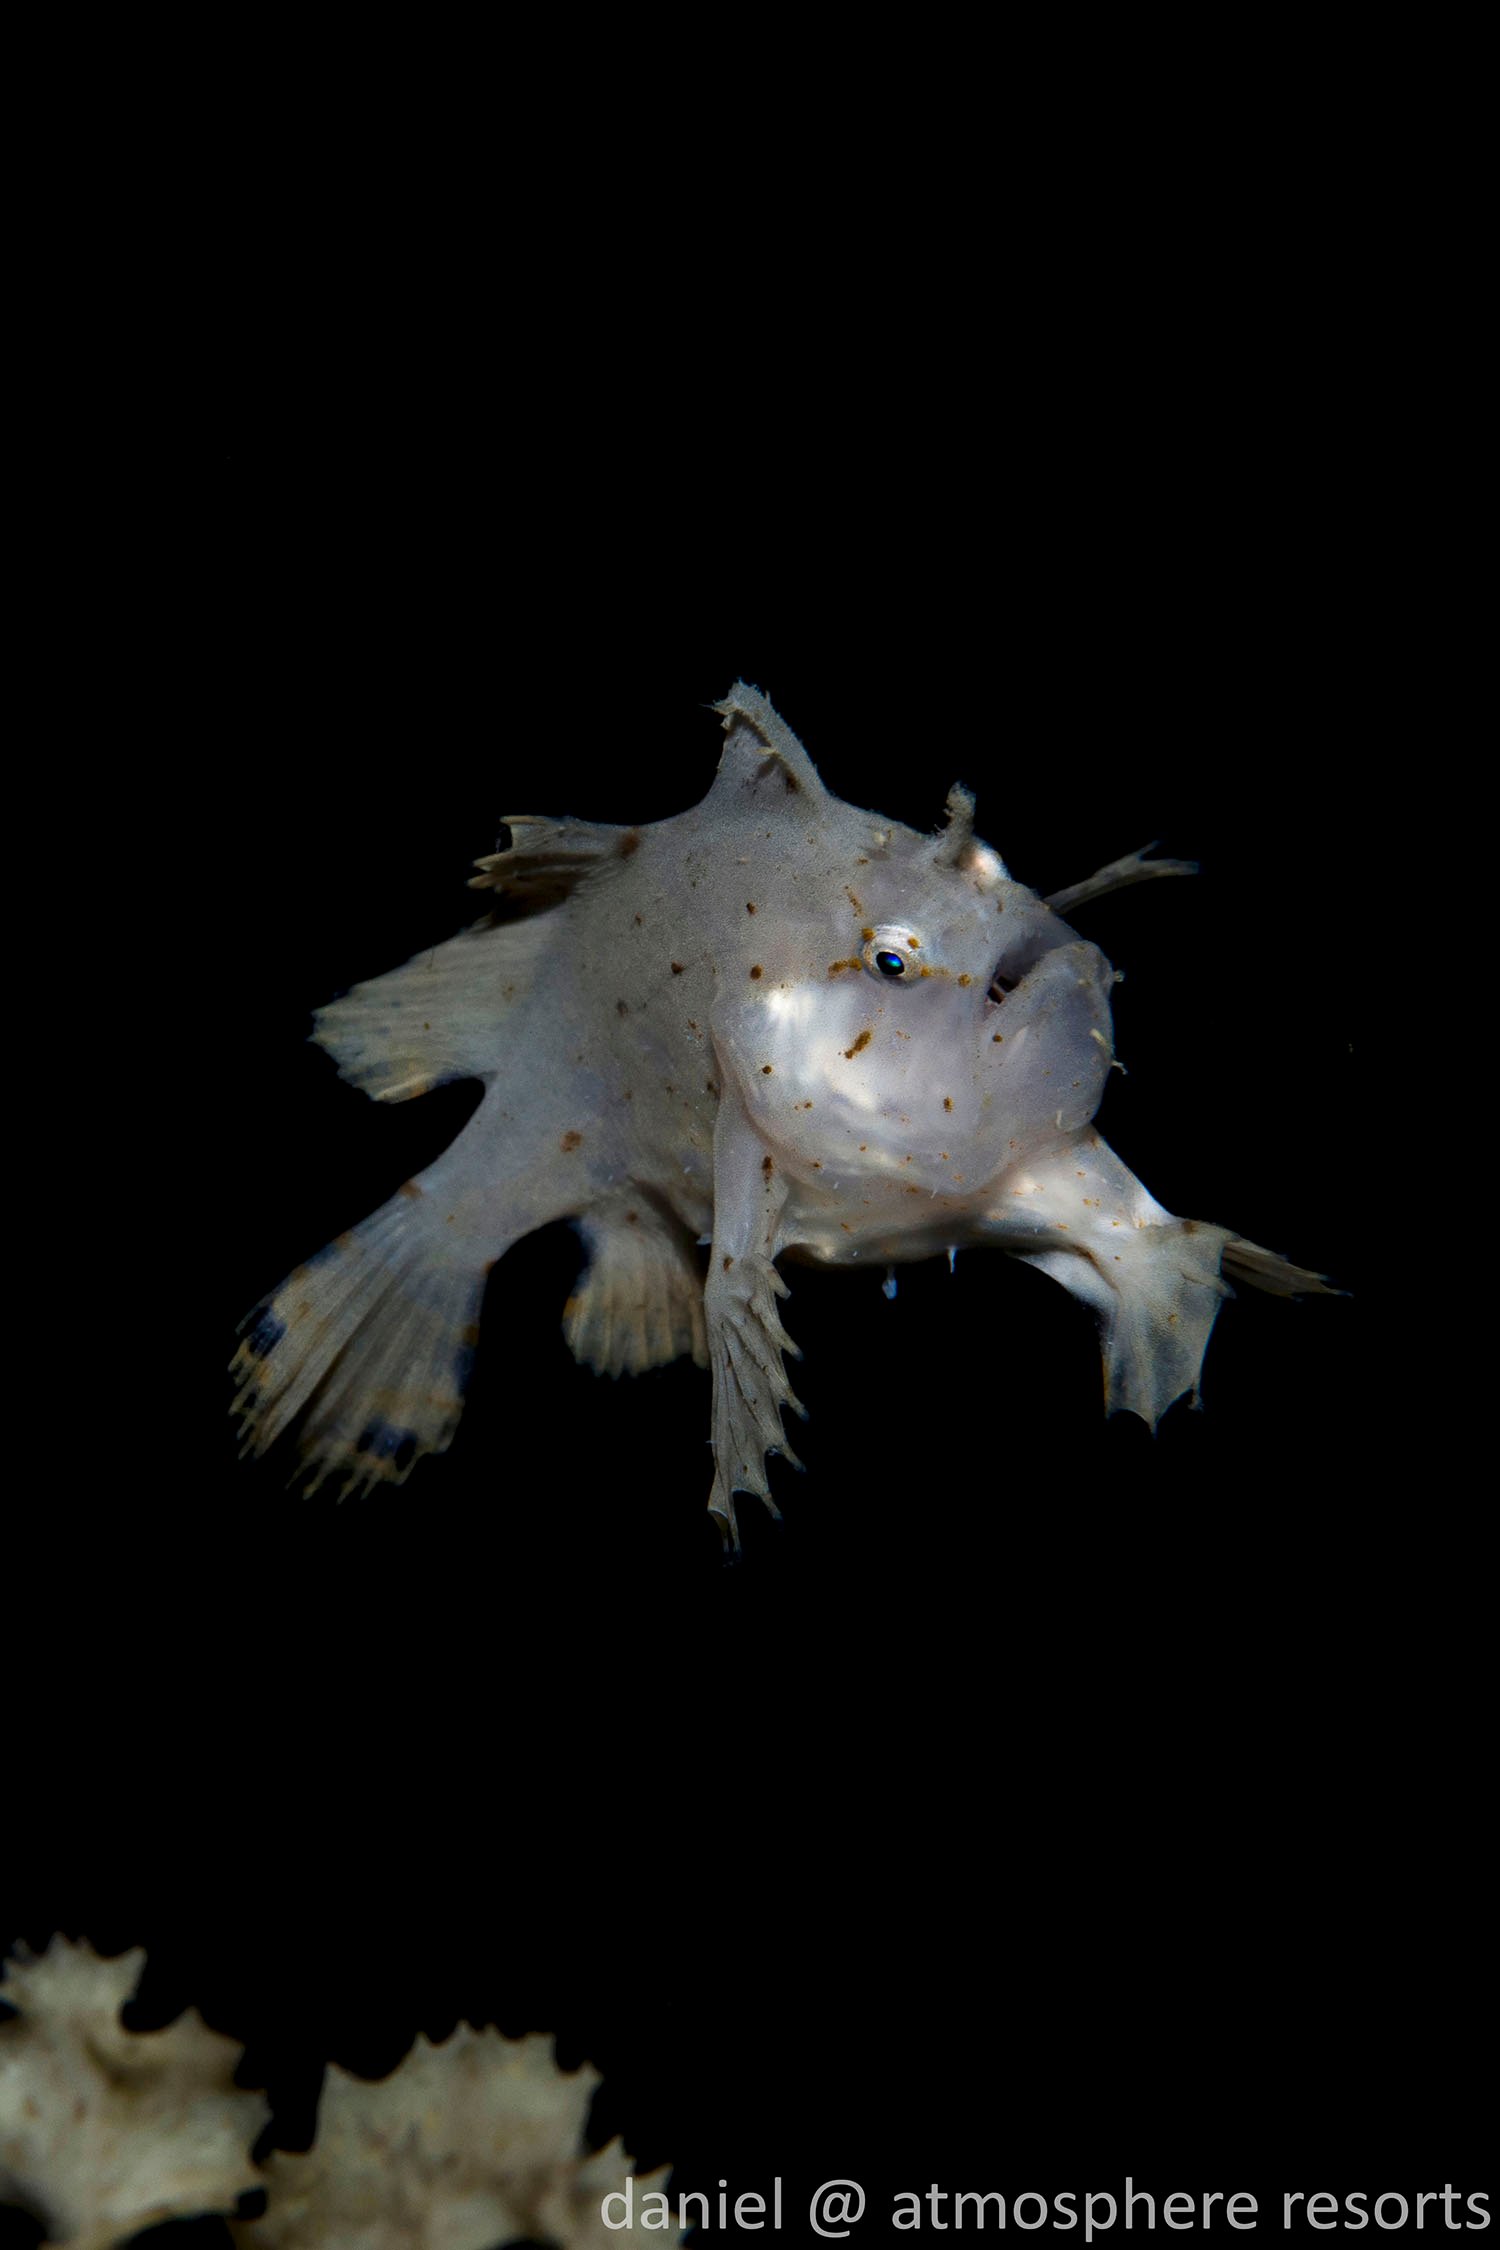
[[639, 1302], [547, 859], [440, 1016], [363, 1352]]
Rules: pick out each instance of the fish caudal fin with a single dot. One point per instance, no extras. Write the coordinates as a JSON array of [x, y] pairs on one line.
[[363, 1353]]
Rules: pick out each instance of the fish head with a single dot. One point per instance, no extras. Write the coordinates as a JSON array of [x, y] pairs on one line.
[[925, 1023]]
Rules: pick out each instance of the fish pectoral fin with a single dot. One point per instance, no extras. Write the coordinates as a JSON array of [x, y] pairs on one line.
[[746, 1341], [639, 1302], [745, 1337], [1156, 1301]]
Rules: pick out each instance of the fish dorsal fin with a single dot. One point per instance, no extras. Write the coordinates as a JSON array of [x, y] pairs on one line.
[[546, 859], [761, 748], [442, 1015]]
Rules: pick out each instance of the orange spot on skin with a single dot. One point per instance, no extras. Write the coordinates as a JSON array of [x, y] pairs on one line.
[[728, 1261], [630, 842], [410, 1187], [570, 1141], [632, 1218], [860, 1044], [765, 1070], [836, 968], [757, 971], [867, 934], [767, 1166], [749, 906], [676, 968], [947, 1101], [966, 980]]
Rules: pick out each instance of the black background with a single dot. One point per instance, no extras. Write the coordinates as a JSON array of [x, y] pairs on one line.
[[1041, 1801]]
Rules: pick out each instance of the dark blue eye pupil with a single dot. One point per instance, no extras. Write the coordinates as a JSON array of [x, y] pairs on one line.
[[890, 964]]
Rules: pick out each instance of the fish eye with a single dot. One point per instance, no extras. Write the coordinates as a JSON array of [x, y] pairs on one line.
[[891, 951]]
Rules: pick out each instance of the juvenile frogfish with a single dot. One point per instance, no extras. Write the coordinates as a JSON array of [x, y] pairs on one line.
[[773, 1023]]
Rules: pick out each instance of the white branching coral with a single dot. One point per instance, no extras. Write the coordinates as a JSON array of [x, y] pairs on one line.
[[102, 2130], [470, 2142]]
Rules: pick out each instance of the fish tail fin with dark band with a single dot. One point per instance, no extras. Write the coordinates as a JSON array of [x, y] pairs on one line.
[[362, 1354]]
